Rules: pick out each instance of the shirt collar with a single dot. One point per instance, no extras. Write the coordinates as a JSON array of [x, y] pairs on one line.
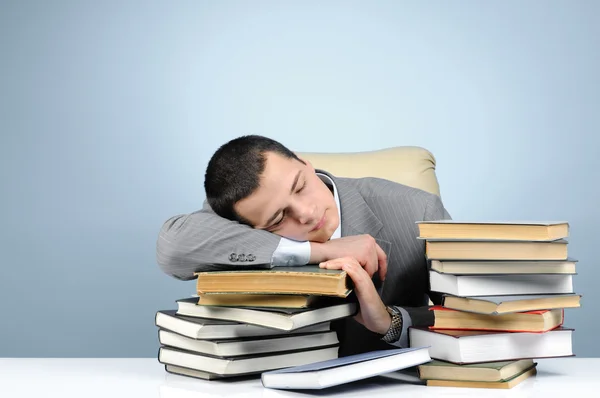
[[327, 180]]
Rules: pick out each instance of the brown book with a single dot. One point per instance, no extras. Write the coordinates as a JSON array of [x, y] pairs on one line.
[[507, 304], [495, 250], [507, 230], [486, 371], [302, 280], [485, 384], [532, 321]]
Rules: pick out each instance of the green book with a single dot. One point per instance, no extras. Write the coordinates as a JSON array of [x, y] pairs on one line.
[[301, 280]]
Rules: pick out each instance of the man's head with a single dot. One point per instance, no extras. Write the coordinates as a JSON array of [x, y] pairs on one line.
[[258, 181]]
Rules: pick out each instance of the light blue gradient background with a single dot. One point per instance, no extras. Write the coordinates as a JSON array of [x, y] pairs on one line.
[[109, 112]]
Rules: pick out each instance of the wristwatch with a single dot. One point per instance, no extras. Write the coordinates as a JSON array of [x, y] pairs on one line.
[[395, 330]]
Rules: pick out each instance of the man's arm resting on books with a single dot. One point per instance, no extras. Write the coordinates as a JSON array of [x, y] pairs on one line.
[[204, 241]]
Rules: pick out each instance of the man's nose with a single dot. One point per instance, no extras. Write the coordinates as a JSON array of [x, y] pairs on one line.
[[306, 213]]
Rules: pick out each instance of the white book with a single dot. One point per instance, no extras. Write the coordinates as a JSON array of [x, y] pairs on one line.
[[202, 328], [243, 365], [276, 318], [248, 346], [346, 369], [497, 285], [468, 346]]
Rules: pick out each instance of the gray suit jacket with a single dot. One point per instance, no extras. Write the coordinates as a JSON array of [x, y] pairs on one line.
[[203, 241]]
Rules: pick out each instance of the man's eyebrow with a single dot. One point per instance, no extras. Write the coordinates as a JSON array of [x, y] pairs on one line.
[[295, 181], [274, 216]]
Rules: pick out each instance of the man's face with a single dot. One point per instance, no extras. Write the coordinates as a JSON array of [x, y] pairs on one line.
[[291, 201]]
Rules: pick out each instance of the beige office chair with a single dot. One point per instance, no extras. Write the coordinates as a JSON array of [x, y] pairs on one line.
[[408, 165]]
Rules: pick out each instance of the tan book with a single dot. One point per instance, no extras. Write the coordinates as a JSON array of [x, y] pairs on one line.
[[495, 250], [258, 300], [507, 230], [485, 384], [485, 371], [532, 321], [303, 280], [507, 304], [504, 267]]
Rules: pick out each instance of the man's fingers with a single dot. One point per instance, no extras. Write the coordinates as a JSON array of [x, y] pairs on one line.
[[331, 264], [382, 262], [336, 263], [365, 290], [375, 261]]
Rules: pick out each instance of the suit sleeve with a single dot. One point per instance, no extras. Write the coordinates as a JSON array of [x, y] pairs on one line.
[[204, 241], [421, 316]]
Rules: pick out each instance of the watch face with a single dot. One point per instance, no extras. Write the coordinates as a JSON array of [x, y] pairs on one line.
[[392, 310]]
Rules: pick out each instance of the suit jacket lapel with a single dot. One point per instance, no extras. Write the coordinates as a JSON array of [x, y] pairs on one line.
[[357, 217]]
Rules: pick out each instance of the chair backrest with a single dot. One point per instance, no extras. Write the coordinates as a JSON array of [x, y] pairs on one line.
[[408, 165]]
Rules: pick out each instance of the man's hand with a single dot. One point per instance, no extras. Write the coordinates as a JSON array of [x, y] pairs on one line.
[[362, 248], [372, 314]]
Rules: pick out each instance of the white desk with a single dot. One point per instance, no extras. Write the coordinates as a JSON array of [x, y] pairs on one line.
[[132, 378]]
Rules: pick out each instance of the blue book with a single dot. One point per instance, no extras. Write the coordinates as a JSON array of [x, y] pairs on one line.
[[346, 369]]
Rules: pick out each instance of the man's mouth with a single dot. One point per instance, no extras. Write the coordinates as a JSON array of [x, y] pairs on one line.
[[319, 224]]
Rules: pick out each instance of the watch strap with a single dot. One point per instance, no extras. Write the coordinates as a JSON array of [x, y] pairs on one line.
[[395, 330]]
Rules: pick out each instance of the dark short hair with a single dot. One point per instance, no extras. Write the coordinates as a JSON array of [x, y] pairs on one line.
[[234, 171]]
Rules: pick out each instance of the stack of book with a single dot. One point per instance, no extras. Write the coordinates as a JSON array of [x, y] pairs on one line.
[[249, 322], [505, 287]]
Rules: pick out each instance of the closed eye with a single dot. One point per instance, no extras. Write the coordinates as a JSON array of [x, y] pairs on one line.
[[278, 222]]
